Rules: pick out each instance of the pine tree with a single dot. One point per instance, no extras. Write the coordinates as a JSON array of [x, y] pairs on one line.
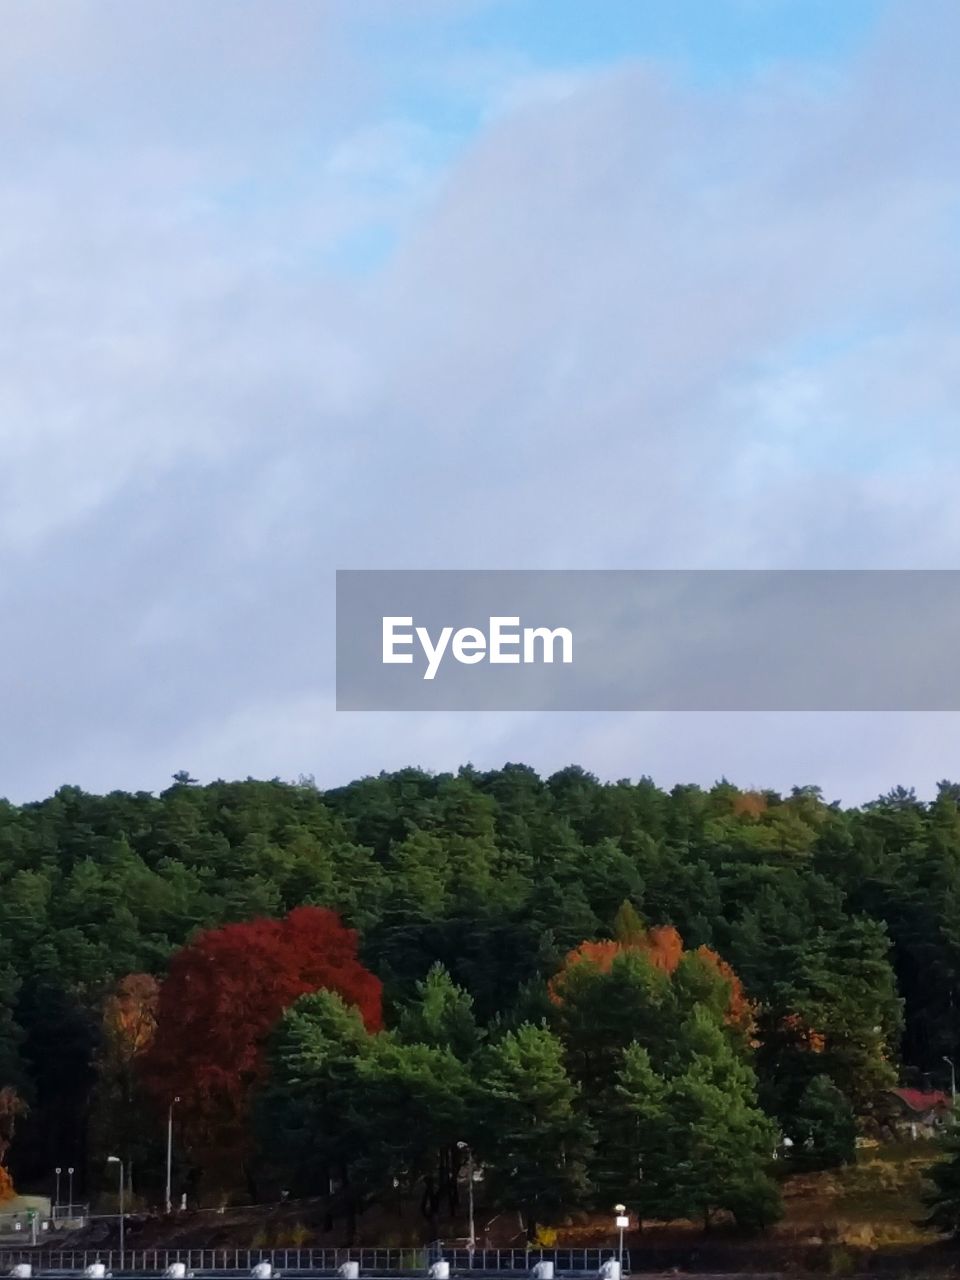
[[441, 1016], [824, 1130], [943, 1197], [532, 1137], [719, 1141], [633, 1125]]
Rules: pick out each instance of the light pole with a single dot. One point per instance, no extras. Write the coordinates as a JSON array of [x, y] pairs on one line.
[[116, 1160], [170, 1152], [953, 1078], [622, 1221], [56, 1196], [464, 1146], [70, 1207]]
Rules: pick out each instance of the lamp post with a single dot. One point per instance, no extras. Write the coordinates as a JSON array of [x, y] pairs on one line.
[[953, 1078], [464, 1146], [56, 1194], [117, 1161], [622, 1222], [170, 1152], [70, 1207]]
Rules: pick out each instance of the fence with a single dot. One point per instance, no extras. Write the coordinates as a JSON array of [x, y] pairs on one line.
[[69, 1214], [375, 1262], [565, 1261]]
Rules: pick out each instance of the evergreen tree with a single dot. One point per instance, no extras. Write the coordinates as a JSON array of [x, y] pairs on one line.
[[824, 1130], [442, 1015], [942, 1196], [531, 1134], [633, 1126], [718, 1142]]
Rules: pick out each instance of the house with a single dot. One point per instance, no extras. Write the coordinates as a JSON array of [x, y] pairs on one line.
[[917, 1113]]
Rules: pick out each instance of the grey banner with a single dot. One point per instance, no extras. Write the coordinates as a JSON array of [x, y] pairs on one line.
[[648, 640]]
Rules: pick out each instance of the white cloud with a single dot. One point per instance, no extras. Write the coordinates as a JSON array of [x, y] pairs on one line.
[[629, 324]]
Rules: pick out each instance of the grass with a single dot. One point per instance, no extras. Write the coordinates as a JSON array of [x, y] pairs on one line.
[[877, 1201]]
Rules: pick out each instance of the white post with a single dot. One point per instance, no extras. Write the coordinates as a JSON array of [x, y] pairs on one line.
[[117, 1161], [473, 1229], [622, 1222]]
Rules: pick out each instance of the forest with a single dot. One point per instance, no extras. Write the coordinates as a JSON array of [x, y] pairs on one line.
[[591, 992]]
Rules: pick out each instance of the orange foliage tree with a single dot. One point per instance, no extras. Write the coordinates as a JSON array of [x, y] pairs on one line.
[[128, 1022], [223, 995], [130, 1015], [12, 1107], [663, 947]]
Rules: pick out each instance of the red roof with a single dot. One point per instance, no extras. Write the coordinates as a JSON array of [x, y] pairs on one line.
[[917, 1100]]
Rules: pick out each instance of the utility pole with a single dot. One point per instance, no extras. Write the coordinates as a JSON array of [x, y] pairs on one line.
[[953, 1078], [170, 1153], [116, 1160]]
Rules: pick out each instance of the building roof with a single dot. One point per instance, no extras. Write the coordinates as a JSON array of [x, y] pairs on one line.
[[918, 1100]]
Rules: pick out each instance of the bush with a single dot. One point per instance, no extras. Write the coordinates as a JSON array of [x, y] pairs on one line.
[[756, 1205]]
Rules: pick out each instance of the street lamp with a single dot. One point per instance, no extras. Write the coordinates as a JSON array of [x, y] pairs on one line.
[[170, 1151], [953, 1078], [464, 1146], [622, 1221], [116, 1160], [70, 1207], [56, 1197]]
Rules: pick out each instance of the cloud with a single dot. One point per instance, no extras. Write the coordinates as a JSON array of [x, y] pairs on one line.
[[626, 322]]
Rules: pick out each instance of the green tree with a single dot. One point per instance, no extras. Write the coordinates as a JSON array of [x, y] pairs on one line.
[[305, 1115], [441, 1016], [719, 1142], [632, 1132], [409, 1113], [824, 1129], [531, 1133], [942, 1196]]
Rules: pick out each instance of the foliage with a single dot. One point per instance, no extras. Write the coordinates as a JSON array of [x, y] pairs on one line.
[[532, 1131], [824, 1130], [942, 1197], [223, 995], [818, 941]]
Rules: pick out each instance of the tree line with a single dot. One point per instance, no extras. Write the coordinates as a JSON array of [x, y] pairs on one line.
[[634, 969]]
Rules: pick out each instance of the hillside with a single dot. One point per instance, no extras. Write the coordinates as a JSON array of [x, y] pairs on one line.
[[494, 920]]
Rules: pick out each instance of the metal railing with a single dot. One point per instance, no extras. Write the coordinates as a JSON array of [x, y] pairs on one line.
[[373, 1261], [565, 1261]]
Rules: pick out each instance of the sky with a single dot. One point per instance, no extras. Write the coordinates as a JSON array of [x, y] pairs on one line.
[[291, 287]]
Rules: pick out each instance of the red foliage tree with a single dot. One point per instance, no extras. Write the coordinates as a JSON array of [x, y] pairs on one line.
[[223, 995]]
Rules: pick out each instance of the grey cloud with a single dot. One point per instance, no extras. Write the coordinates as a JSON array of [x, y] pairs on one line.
[[633, 324]]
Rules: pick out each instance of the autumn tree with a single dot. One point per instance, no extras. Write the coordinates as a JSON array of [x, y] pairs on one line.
[[12, 1109], [222, 997], [128, 1025]]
